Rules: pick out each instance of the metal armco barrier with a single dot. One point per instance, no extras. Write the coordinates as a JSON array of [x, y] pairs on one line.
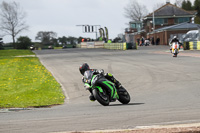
[[194, 45]]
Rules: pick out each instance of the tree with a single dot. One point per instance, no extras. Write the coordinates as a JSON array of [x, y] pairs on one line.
[[197, 8], [80, 39], [135, 11], [187, 5], [46, 36], [55, 42], [1, 42], [197, 5], [63, 40], [184, 5], [72, 40], [23, 42], [12, 19]]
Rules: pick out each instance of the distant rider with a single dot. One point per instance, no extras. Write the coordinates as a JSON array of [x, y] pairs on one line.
[[85, 67], [175, 39]]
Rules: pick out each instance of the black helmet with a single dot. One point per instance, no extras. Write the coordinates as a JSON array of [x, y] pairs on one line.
[[84, 67]]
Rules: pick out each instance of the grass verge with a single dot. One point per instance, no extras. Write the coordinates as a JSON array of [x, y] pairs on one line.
[[25, 82]]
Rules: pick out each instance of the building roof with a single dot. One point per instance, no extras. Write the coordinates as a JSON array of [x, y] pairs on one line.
[[181, 26], [135, 21], [170, 10]]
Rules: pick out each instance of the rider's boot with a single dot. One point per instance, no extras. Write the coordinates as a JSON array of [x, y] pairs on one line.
[[117, 84], [110, 77], [91, 97]]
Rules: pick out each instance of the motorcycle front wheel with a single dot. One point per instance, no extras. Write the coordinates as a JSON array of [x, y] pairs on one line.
[[175, 53], [101, 97], [124, 96]]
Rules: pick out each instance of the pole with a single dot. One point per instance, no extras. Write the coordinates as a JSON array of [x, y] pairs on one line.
[[96, 32], [153, 22], [199, 33]]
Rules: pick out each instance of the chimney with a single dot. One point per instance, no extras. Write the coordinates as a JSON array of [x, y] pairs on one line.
[[167, 1]]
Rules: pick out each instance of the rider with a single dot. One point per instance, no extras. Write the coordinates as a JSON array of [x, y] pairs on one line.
[[175, 39], [85, 67]]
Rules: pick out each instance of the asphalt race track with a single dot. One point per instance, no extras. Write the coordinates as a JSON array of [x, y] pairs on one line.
[[164, 90]]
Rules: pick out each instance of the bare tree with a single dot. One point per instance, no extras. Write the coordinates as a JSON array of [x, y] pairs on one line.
[[12, 19], [135, 11], [178, 3]]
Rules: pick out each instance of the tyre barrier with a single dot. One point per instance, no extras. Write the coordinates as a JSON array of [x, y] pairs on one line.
[[95, 44], [193, 45], [120, 46], [101, 44]]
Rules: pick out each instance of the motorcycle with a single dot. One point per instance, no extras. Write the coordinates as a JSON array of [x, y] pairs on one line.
[[104, 90], [32, 47], [175, 49]]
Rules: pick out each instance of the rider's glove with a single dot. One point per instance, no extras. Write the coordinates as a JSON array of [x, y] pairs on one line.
[[101, 71], [83, 79]]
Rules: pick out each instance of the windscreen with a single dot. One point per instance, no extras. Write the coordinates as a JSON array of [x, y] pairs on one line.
[[88, 75]]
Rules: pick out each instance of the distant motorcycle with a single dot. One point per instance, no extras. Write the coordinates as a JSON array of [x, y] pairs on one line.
[[175, 49], [147, 42], [32, 47], [104, 90]]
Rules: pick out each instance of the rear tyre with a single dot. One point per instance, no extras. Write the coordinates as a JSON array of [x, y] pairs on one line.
[[101, 97], [124, 96]]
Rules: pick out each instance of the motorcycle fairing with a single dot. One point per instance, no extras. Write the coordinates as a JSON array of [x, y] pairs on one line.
[[109, 86], [175, 45], [100, 82]]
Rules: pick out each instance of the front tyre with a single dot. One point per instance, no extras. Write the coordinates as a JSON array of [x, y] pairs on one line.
[[101, 97], [124, 96], [175, 53]]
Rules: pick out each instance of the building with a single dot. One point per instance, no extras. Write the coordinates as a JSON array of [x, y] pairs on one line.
[[167, 15], [165, 22], [134, 26], [165, 34]]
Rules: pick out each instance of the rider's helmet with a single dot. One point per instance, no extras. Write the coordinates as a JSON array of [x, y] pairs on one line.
[[175, 37], [84, 67]]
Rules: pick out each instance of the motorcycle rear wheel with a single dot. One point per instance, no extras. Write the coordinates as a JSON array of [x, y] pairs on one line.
[[102, 98]]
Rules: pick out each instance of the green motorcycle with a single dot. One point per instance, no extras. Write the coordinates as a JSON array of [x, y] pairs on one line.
[[104, 90]]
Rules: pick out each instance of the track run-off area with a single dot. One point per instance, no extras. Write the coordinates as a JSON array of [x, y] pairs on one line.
[[164, 91]]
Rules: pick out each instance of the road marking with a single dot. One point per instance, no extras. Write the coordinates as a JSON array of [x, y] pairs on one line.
[[152, 127], [177, 122]]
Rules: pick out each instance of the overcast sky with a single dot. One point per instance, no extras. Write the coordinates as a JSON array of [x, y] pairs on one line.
[[62, 16]]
